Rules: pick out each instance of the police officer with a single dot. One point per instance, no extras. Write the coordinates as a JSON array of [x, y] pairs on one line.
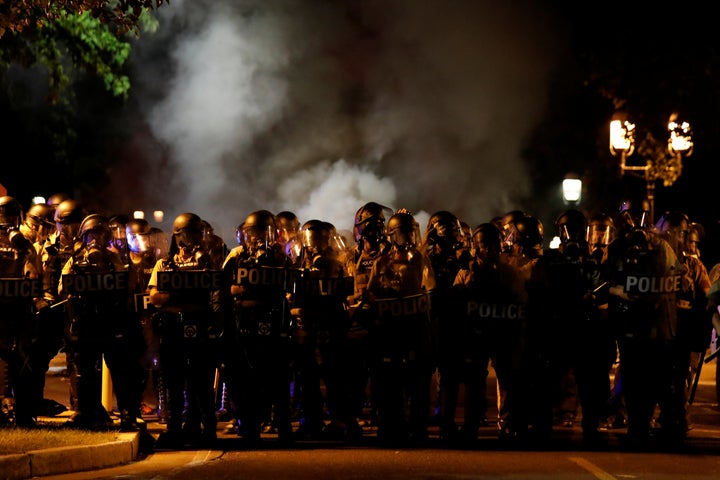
[[371, 241], [694, 321], [141, 258], [321, 332], [95, 281], [399, 287], [37, 226], [572, 337], [646, 279], [258, 352], [56, 251], [492, 300], [19, 287], [187, 289], [523, 236], [118, 242], [288, 226], [446, 246]]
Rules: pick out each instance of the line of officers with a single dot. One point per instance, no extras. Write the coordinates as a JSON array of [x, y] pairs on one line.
[[295, 323]]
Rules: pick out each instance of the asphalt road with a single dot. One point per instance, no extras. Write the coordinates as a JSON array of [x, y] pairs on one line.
[[561, 458]]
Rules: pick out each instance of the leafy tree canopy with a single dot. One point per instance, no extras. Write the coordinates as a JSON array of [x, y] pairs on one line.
[[88, 33]]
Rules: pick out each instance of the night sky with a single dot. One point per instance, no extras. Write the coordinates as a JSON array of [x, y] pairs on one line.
[[320, 106]]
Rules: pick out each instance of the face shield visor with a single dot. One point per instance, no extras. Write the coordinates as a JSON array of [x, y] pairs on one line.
[[9, 220], [188, 239], [257, 238], [448, 234], [510, 236], [316, 240], [140, 242], [372, 229], [40, 228], [160, 242], [118, 237], [599, 236], [406, 237], [692, 243], [95, 238], [485, 247], [67, 232], [288, 232]]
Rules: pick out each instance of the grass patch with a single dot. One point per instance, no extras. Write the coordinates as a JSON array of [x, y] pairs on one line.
[[23, 440]]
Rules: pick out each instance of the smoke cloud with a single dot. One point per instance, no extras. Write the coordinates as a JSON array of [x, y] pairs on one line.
[[321, 106]]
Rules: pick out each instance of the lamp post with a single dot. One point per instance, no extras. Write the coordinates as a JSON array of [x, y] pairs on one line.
[[662, 162], [571, 189]]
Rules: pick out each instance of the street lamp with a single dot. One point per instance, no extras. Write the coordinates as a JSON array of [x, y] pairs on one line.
[[661, 162], [571, 189]]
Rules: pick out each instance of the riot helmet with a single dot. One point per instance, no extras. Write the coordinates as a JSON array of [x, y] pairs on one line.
[[68, 216], [56, 199], [69, 211], [94, 239], [258, 231], [370, 222], [11, 213], [601, 231], [95, 231], [530, 232], [673, 220], [208, 234], [486, 239], [288, 225], [571, 227], [635, 214], [404, 231], [508, 230], [117, 225], [188, 230], [695, 234], [637, 245], [139, 236], [316, 236], [444, 228], [38, 222], [674, 227]]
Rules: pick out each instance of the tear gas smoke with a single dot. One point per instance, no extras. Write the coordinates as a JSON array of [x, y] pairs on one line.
[[319, 107]]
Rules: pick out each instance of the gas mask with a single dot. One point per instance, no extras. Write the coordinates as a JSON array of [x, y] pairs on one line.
[[188, 243]]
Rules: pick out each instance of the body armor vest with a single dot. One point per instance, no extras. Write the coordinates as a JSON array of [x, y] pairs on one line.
[[262, 310], [98, 299], [192, 314]]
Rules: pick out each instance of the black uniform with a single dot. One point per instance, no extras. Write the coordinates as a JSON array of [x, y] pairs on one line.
[[646, 280], [187, 288], [400, 286], [98, 327], [258, 344], [19, 287]]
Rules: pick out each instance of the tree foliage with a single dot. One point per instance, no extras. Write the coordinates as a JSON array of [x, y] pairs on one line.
[[17, 16], [88, 33]]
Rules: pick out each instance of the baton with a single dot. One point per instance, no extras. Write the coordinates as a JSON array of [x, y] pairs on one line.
[[712, 356], [696, 380], [600, 287], [61, 302]]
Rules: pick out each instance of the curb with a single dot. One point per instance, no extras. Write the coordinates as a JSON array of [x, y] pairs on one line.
[[54, 461]]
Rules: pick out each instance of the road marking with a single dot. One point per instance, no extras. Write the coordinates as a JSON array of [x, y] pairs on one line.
[[592, 468]]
